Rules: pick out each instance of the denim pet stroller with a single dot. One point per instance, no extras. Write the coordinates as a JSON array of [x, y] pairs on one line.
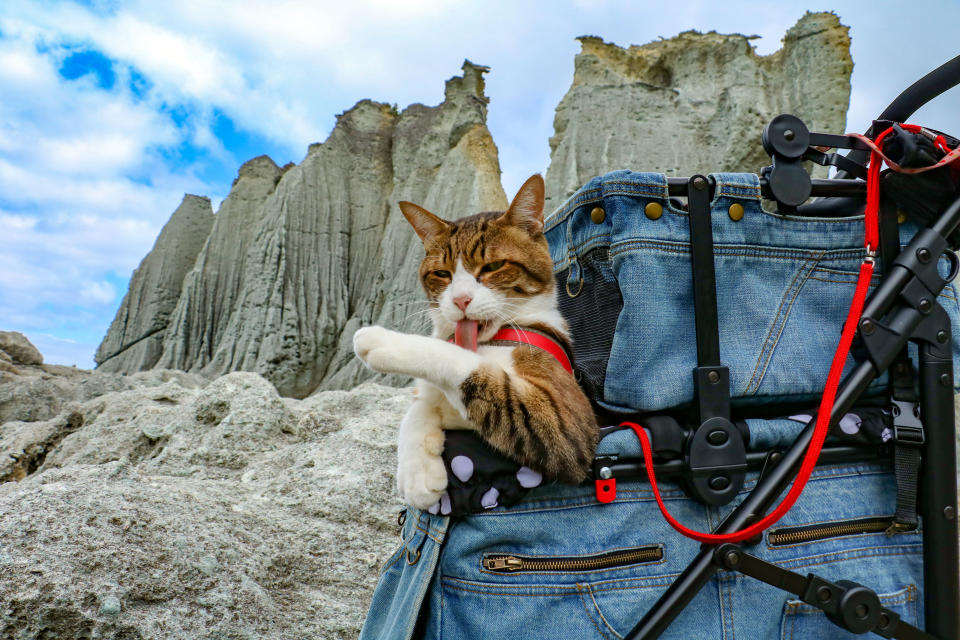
[[708, 325]]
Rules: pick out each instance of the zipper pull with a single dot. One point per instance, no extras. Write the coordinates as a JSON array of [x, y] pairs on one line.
[[504, 563]]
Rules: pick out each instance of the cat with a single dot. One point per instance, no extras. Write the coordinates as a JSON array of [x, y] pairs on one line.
[[481, 273]]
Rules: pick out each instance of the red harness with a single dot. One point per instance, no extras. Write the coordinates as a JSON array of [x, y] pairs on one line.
[[530, 337]]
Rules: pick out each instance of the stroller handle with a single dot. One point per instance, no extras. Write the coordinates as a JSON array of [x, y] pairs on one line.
[[935, 83]]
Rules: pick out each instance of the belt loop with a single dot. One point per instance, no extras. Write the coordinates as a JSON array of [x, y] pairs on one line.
[[574, 284]]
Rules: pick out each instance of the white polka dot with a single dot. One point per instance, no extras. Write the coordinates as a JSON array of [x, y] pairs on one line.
[[445, 504], [850, 424], [489, 499], [528, 478], [462, 467]]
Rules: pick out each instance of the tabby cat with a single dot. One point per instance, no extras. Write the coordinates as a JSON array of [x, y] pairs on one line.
[[481, 273]]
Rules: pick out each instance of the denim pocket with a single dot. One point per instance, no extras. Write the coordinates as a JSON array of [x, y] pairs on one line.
[[804, 622]]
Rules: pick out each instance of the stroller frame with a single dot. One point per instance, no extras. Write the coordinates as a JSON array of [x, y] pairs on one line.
[[897, 312]]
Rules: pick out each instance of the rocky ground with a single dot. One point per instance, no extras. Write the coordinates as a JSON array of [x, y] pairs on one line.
[[162, 505]]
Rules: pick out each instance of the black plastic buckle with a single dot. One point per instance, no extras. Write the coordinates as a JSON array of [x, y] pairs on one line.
[[909, 436], [907, 427]]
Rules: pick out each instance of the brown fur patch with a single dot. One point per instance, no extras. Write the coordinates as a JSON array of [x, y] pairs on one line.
[[483, 239], [538, 417]]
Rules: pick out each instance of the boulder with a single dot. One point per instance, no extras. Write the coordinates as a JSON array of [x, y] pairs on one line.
[[171, 510], [15, 348]]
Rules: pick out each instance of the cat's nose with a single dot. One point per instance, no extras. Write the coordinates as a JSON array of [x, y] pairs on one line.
[[462, 302]]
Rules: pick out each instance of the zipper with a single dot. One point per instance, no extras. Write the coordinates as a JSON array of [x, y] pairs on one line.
[[810, 533], [504, 563]]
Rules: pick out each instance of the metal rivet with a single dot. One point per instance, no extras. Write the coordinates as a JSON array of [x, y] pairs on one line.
[[789, 135], [598, 215], [713, 377], [719, 483], [700, 183], [949, 513], [735, 212], [945, 379], [923, 255], [867, 327], [653, 210], [942, 337], [717, 437], [824, 594], [732, 558], [861, 611], [925, 306], [884, 620], [606, 473]]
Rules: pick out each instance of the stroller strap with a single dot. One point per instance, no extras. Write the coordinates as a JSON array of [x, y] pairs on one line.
[[871, 241]]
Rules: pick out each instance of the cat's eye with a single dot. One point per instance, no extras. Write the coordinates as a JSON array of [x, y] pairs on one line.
[[493, 266], [441, 273]]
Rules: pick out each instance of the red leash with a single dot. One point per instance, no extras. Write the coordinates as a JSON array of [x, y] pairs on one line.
[[871, 239]]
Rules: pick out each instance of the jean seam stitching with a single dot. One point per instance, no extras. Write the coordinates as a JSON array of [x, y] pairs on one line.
[[773, 326], [603, 618], [849, 554], [729, 589], [734, 251], [783, 325], [723, 607], [738, 250]]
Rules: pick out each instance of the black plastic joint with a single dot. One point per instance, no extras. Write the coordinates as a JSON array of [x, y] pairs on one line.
[[910, 436]]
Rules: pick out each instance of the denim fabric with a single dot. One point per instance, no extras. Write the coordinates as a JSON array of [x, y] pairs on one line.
[[405, 578], [784, 285], [467, 601]]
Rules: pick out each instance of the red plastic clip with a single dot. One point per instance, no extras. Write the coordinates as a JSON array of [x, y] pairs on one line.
[[606, 490]]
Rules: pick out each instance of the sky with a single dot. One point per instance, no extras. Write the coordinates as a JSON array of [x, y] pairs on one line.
[[111, 111]]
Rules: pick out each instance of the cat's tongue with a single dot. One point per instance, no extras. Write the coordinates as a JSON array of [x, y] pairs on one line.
[[466, 334]]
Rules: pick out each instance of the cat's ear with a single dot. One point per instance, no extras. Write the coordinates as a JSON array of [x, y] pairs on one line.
[[423, 222], [526, 210]]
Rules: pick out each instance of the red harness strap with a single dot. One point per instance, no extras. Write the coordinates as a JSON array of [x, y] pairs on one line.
[[534, 339], [833, 379]]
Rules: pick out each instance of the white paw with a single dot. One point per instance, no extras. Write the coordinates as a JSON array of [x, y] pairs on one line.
[[421, 479], [376, 347]]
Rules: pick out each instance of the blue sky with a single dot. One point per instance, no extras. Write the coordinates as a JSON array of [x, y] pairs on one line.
[[110, 111]]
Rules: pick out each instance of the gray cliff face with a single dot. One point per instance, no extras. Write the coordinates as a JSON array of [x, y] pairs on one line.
[[694, 103], [296, 262], [134, 341], [212, 287], [299, 258]]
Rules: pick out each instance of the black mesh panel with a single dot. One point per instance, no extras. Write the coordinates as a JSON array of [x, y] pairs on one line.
[[592, 315]]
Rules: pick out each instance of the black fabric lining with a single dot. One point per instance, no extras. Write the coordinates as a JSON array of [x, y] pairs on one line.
[[592, 315]]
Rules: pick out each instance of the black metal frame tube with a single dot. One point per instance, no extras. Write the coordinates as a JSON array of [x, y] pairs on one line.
[[938, 493], [700, 570], [940, 577]]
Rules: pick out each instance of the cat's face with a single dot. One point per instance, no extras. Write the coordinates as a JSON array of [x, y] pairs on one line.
[[491, 267]]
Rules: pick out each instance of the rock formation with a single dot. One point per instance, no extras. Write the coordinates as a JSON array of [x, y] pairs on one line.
[[295, 263], [178, 508], [694, 103], [299, 258], [135, 339]]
